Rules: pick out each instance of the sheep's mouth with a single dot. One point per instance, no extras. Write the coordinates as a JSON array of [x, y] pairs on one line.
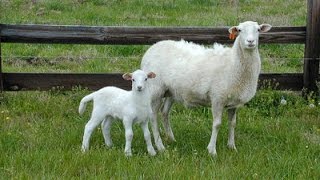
[[251, 46]]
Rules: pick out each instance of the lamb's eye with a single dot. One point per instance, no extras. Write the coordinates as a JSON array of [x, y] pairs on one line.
[[132, 79], [239, 30], [146, 79]]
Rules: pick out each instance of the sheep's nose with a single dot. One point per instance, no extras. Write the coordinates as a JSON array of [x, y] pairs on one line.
[[139, 88], [251, 41]]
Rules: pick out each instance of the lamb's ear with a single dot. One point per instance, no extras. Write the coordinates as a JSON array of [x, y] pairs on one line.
[[265, 27], [127, 76], [151, 75]]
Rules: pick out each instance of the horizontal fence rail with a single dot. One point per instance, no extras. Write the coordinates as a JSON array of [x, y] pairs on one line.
[[61, 34], [135, 35], [46, 81]]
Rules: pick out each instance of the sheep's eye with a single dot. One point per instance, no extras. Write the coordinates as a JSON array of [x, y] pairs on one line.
[[239, 30], [259, 30], [146, 79], [132, 79]]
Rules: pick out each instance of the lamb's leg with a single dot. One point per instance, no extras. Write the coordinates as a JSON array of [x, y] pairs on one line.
[[147, 137], [94, 121], [127, 123], [155, 127], [106, 127], [232, 125], [217, 110], [165, 114]]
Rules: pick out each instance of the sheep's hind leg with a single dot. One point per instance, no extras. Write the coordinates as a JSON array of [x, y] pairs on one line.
[[168, 101], [147, 137], [106, 128], [217, 110], [155, 127], [232, 124]]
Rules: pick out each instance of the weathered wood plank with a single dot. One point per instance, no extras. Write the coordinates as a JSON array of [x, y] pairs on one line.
[[135, 35], [46, 81], [312, 47], [286, 81]]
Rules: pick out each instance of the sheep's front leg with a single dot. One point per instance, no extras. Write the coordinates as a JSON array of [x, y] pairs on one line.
[[106, 127], [232, 124], [217, 110], [155, 128], [127, 123], [147, 137], [165, 114]]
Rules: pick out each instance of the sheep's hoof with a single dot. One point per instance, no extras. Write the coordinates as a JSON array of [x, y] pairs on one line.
[[212, 151], [109, 145], [232, 147], [128, 154]]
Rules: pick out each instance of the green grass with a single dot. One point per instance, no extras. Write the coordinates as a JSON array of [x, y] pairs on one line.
[[42, 138], [41, 132]]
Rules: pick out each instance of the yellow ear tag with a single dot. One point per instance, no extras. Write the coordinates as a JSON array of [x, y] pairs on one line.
[[233, 35]]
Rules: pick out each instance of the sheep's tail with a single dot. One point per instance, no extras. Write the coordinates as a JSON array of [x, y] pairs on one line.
[[83, 103]]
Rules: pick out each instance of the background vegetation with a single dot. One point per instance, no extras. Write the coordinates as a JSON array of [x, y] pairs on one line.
[[41, 132]]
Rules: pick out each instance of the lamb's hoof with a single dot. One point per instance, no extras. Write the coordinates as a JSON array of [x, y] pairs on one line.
[[172, 139], [84, 149], [161, 148], [152, 152]]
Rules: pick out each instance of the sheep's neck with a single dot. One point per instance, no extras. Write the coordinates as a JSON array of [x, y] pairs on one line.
[[249, 66], [249, 59]]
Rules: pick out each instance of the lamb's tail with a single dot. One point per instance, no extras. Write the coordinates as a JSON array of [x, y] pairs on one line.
[[83, 103]]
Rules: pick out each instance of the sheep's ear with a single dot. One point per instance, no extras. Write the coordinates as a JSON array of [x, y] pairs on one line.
[[151, 75], [233, 30], [127, 76], [265, 27]]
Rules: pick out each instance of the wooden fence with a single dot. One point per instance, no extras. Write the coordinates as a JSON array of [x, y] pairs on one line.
[[51, 34]]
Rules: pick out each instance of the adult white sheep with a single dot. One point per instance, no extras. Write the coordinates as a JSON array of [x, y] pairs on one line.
[[220, 76], [111, 103]]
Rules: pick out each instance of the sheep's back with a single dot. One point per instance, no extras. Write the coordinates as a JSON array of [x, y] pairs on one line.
[[190, 72]]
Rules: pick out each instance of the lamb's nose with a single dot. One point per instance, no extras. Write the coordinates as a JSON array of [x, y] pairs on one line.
[[139, 88]]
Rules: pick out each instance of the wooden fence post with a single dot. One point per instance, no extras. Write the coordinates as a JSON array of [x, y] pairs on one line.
[[1, 74], [312, 48]]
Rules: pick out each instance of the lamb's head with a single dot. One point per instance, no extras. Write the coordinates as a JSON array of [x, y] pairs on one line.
[[248, 33], [139, 79]]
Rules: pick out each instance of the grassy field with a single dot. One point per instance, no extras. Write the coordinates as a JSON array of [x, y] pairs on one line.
[[41, 132]]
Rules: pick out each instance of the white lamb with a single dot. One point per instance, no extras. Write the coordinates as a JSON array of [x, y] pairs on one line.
[[111, 103], [220, 76]]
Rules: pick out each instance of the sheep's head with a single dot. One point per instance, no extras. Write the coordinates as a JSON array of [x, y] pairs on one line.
[[139, 79], [248, 33]]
